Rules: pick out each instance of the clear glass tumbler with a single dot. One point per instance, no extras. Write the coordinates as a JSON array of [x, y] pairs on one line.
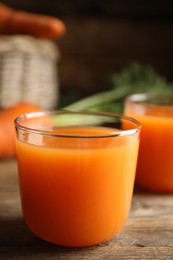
[[155, 162], [76, 174]]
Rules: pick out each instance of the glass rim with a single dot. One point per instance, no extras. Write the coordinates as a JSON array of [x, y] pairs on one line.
[[142, 98], [19, 119]]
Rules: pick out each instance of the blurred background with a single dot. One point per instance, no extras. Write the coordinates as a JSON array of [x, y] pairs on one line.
[[104, 37]]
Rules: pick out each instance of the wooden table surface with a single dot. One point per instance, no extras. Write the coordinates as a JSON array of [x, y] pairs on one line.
[[148, 233]]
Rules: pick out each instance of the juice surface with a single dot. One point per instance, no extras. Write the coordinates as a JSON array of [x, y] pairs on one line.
[[77, 191], [155, 161]]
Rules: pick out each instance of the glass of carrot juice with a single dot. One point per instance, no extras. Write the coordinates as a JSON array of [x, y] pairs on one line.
[[76, 174], [155, 162]]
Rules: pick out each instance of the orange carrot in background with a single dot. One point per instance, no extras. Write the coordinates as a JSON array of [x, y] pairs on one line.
[[7, 130], [37, 25]]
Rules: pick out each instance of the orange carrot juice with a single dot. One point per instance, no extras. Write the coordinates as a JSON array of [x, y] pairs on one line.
[[155, 162], [76, 190]]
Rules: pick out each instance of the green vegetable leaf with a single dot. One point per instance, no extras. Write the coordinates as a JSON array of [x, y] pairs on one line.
[[133, 79]]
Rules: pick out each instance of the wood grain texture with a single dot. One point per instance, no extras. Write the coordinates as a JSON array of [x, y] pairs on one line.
[[148, 233], [95, 48]]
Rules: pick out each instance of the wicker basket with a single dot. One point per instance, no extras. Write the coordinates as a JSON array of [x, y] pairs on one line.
[[28, 71]]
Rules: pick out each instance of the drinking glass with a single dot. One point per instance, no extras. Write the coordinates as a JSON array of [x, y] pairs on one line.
[[155, 162], [76, 174]]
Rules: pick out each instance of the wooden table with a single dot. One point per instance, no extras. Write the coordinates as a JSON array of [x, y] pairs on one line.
[[148, 233]]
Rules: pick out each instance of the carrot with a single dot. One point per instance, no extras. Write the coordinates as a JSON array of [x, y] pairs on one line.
[[5, 12], [7, 130], [19, 22]]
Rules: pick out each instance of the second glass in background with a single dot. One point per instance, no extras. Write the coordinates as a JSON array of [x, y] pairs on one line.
[[155, 161]]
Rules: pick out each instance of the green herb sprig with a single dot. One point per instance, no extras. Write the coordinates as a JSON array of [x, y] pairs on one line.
[[133, 79]]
